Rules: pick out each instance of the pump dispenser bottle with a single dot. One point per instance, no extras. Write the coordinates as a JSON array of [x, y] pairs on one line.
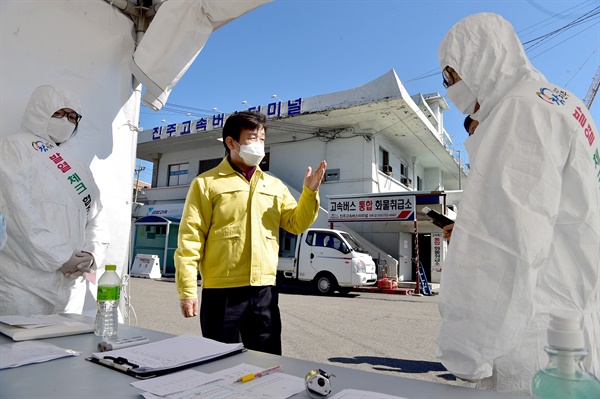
[[564, 376]]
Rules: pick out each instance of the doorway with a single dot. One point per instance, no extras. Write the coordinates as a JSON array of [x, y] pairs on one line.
[[424, 256]]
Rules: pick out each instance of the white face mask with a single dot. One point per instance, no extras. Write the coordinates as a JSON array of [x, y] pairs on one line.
[[60, 129], [252, 153], [462, 97]]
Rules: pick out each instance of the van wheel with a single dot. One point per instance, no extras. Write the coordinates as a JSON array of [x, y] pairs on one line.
[[325, 283]]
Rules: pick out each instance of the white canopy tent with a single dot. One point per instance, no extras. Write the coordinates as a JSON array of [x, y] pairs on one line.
[[90, 48]]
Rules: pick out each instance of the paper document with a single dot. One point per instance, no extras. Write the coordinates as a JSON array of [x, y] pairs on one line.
[[29, 352], [176, 382], [273, 386], [231, 374], [21, 328], [33, 321], [174, 352], [356, 394]]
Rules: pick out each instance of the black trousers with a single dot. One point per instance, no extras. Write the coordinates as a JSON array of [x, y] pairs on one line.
[[242, 314]]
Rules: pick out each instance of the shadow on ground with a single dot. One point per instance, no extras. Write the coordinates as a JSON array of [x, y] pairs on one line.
[[397, 365], [306, 288], [284, 287]]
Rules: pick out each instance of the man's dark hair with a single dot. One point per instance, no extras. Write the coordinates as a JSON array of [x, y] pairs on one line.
[[242, 120]]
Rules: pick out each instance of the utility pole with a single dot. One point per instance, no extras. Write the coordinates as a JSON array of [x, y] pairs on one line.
[[416, 259], [137, 181], [593, 90]]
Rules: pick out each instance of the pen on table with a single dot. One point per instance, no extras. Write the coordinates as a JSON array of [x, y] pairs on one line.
[[121, 343], [250, 377]]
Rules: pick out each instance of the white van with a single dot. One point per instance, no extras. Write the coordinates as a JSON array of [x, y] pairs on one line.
[[332, 259]]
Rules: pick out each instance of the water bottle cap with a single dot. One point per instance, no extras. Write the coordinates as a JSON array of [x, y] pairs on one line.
[[565, 330], [110, 267]]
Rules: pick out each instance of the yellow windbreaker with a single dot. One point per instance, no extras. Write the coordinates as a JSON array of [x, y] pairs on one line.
[[229, 229]]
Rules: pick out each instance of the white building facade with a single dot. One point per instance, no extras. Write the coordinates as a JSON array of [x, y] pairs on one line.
[[378, 141]]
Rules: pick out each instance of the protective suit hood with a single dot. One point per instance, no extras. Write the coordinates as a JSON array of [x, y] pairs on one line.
[[487, 54], [45, 101]]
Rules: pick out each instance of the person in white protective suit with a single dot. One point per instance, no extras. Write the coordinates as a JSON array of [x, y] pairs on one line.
[[527, 237], [55, 228]]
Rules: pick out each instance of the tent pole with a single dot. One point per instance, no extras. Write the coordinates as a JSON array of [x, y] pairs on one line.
[[164, 266]]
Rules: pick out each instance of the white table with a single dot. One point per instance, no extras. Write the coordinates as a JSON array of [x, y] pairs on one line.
[[75, 377]]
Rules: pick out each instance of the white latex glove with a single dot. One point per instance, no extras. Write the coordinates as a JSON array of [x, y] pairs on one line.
[[79, 263], [91, 268]]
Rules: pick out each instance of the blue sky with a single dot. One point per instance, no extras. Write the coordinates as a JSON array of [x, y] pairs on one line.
[[304, 48]]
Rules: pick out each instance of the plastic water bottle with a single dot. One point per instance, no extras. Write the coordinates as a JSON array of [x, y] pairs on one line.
[[565, 376], [107, 317]]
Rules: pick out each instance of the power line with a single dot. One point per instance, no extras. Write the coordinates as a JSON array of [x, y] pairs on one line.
[[568, 38], [585, 62], [541, 39], [555, 16], [424, 76], [587, 17]]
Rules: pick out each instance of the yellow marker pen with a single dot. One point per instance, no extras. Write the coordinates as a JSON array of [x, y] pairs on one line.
[[250, 377]]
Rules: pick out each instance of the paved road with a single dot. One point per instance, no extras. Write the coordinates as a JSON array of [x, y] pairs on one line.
[[391, 334]]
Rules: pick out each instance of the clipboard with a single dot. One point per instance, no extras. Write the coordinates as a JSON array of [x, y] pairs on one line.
[[165, 356], [122, 365], [437, 218]]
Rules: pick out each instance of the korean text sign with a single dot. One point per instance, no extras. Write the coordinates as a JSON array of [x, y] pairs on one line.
[[380, 208]]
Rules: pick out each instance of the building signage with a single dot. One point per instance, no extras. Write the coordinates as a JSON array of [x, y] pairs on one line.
[[273, 110], [437, 242], [373, 209], [171, 210]]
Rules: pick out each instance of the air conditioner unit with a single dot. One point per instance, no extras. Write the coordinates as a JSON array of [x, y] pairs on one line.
[[332, 175], [406, 181], [387, 169]]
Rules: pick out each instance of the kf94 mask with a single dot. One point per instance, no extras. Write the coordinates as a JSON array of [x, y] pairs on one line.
[[252, 153], [60, 129], [462, 97]]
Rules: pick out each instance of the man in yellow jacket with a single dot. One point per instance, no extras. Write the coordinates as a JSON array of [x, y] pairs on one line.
[[229, 231]]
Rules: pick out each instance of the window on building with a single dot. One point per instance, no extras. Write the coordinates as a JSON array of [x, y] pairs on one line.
[[403, 170], [208, 164], [178, 174], [384, 161], [152, 231], [419, 183]]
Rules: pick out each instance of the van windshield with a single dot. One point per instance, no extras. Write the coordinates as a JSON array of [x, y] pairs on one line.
[[353, 243]]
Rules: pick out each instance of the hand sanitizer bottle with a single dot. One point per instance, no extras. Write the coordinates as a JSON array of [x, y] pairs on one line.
[[564, 376]]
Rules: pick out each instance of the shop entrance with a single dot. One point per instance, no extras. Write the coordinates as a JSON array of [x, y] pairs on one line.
[[424, 256]]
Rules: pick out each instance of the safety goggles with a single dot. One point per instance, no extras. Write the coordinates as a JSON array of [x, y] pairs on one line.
[[72, 116], [448, 80]]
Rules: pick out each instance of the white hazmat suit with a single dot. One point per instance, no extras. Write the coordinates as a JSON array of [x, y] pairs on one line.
[[527, 236], [52, 210]]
